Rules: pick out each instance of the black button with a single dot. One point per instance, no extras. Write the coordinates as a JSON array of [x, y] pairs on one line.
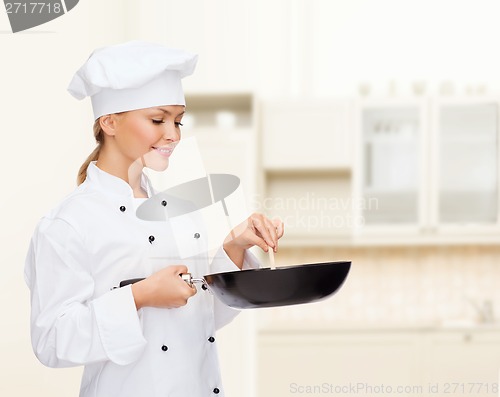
[[122, 208], [164, 348], [164, 203], [204, 287], [216, 391], [211, 339], [151, 239], [197, 235]]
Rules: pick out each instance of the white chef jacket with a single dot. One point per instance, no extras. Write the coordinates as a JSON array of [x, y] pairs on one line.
[[81, 250]]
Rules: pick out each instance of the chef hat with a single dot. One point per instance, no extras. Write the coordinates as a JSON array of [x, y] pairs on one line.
[[132, 75]]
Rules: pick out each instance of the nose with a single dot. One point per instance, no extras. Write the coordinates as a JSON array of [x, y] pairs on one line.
[[171, 132]]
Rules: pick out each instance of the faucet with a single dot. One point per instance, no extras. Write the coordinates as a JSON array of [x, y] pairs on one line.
[[484, 310]]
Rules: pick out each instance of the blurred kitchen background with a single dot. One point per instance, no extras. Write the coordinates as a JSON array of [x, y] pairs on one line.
[[369, 126]]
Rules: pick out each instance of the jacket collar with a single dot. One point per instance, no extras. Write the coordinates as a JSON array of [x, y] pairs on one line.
[[111, 184]]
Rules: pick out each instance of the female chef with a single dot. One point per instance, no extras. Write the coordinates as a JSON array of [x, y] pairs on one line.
[[155, 337]]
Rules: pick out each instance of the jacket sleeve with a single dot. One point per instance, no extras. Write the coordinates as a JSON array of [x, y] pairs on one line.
[[222, 263], [68, 326]]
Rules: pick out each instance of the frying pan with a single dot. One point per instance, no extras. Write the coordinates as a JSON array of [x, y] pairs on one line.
[[242, 289], [282, 286]]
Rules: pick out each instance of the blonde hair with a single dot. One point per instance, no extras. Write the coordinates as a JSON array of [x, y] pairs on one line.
[[99, 137]]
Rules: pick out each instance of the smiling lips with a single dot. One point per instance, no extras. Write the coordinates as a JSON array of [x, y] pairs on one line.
[[164, 151]]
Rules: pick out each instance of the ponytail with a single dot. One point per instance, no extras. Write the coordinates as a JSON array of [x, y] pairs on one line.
[[99, 137]]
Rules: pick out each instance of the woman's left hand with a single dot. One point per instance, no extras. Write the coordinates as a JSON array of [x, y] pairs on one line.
[[258, 230]]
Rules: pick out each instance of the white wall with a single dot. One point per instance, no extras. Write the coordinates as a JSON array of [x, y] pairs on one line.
[[326, 47]]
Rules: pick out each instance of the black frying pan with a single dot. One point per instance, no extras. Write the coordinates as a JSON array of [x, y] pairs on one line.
[[282, 286]]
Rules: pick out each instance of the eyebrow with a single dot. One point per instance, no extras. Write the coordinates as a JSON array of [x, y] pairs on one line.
[[167, 112]]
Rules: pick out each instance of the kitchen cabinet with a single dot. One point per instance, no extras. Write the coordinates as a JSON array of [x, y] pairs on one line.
[[464, 177], [405, 361], [224, 128], [306, 135], [332, 363], [306, 158], [392, 171], [462, 362], [313, 205], [389, 173], [427, 168]]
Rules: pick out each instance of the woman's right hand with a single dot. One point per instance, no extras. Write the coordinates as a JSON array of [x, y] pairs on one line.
[[164, 289]]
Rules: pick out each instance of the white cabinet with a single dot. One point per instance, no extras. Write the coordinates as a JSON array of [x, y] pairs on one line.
[[306, 135], [313, 205], [462, 362], [306, 158], [413, 362], [333, 363], [464, 180], [428, 168], [223, 125], [389, 173], [393, 171]]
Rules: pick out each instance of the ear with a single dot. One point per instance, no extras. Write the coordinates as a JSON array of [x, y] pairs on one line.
[[109, 123]]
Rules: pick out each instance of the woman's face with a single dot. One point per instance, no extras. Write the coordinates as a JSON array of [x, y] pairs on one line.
[[149, 135]]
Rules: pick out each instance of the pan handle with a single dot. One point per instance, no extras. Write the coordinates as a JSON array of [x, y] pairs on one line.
[[187, 277], [130, 281]]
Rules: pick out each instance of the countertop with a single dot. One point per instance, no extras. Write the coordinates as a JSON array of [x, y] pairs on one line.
[[443, 326]]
